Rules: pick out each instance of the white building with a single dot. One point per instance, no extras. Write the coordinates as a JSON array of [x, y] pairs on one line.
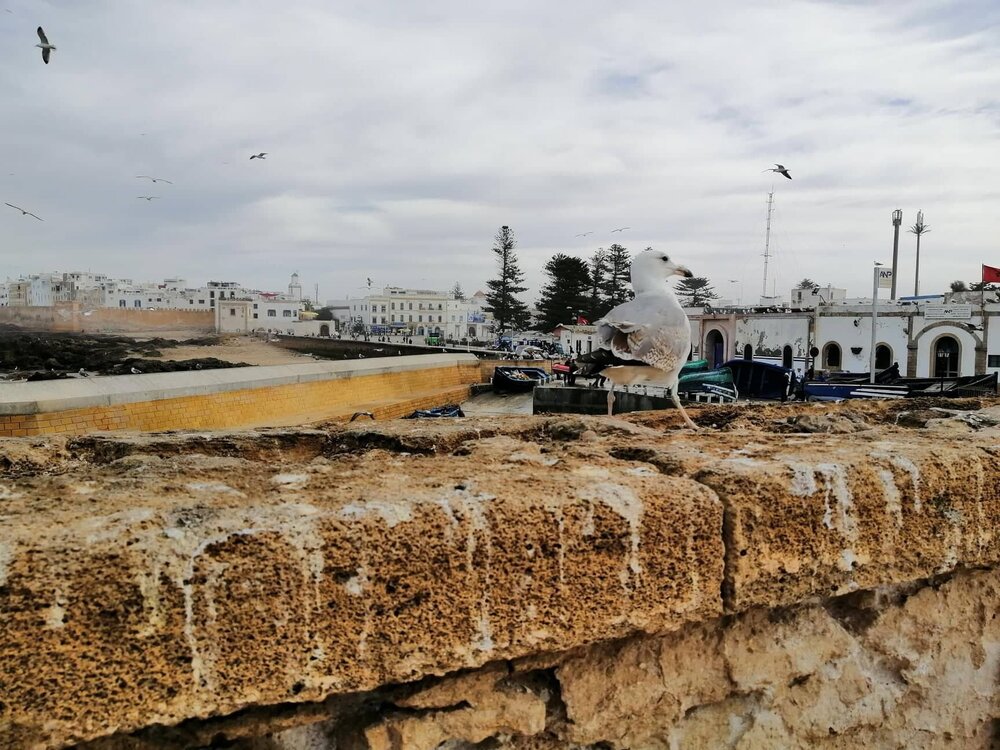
[[264, 311], [575, 339], [938, 335], [422, 312]]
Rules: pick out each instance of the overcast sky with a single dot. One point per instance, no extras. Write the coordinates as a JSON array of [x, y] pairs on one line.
[[401, 135]]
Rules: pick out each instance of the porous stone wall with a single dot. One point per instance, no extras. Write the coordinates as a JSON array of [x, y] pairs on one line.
[[788, 577]]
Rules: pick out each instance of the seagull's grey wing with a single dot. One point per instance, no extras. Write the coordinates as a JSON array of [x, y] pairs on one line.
[[639, 330], [785, 172], [166, 181], [37, 217], [41, 35], [13, 206], [45, 55]]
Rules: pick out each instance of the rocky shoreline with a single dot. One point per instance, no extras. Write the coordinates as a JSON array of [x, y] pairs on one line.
[[51, 356]]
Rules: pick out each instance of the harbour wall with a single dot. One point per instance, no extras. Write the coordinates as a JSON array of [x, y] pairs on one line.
[[237, 397], [73, 317]]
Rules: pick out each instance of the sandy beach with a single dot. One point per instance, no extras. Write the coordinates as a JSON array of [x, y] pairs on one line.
[[247, 349]]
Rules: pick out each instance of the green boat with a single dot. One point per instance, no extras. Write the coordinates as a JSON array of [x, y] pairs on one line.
[[718, 382], [695, 365]]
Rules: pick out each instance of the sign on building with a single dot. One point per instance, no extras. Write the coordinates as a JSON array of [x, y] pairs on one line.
[[885, 278], [476, 317], [948, 312]]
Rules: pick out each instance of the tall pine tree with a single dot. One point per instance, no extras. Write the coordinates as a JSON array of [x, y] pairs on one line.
[[616, 282], [598, 269], [501, 300], [695, 292], [567, 294]]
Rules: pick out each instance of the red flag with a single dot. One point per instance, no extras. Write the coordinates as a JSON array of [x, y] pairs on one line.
[[991, 275], [582, 321]]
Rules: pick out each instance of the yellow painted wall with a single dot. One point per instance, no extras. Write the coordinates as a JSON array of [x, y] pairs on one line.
[[387, 395]]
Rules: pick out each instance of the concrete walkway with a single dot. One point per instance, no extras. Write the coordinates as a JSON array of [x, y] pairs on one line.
[[498, 404]]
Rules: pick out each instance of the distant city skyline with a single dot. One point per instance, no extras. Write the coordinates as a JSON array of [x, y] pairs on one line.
[[400, 137]]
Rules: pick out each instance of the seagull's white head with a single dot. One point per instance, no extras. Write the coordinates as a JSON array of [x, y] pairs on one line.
[[651, 269]]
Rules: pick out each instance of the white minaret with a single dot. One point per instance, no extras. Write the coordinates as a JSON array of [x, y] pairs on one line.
[[295, 288]]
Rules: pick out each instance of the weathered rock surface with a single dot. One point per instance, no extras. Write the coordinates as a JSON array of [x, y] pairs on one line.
[[581, 582]]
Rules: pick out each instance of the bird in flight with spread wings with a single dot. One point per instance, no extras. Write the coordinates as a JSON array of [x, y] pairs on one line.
[[23, 212]]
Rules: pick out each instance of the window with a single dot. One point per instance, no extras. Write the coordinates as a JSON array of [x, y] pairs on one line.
[[201, 302], [831, 356], [393, 305], [411, 319], [286, 313], [439, 306], [190, 301], [212, 294], [420, 318], [883, 357], [255, 316], [137, 303], [232, 310], [254, 305], [439, 318], [748, 352], [383, 308], [410, 305], [272, 313], [121, 303], [993, 360], [786, 356]]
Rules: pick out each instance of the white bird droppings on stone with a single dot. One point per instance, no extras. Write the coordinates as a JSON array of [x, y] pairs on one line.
[[214, 487], [286, 479]]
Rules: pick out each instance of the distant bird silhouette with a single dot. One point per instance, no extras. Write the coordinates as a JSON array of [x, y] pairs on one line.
[[620, 229], [46, 47], [362, 414], [136, 371], [148, 197], [780, 170], [261, 155], [582, 234], [23, 212], [154, 179]]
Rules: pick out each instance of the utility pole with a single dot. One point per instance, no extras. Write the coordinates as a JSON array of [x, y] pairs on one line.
[[871, 353], [767, 240], [918, 229], [897, 219]]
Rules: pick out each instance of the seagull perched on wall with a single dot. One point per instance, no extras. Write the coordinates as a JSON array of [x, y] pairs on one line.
[[23, 212], [46, 47], [154, 179], [261, 155], [136, 371], [645, 340], [780, 170]]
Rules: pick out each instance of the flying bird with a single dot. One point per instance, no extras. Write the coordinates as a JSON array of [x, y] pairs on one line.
[[148, 197], [780, 170], [645, 340], [154, 179], [620, 229], [46, 47], [362, 414], [261, 155], [582, 234], [23, 212]]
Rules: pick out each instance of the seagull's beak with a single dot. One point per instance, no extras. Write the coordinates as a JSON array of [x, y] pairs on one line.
[[683, 271]]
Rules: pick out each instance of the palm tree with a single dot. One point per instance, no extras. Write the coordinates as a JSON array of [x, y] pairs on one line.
[[918, 229]]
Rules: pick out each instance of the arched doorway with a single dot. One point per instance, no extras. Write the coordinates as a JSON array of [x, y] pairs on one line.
[[715, 351], [748, 352], [831, 356], [786, 356], [946, 355], [324, 330], [883, 357]]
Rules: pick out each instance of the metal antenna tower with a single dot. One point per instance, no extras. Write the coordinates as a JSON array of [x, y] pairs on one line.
[[767, 240]]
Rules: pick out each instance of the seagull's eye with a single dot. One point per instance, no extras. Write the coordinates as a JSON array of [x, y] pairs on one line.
[[665, 259]]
